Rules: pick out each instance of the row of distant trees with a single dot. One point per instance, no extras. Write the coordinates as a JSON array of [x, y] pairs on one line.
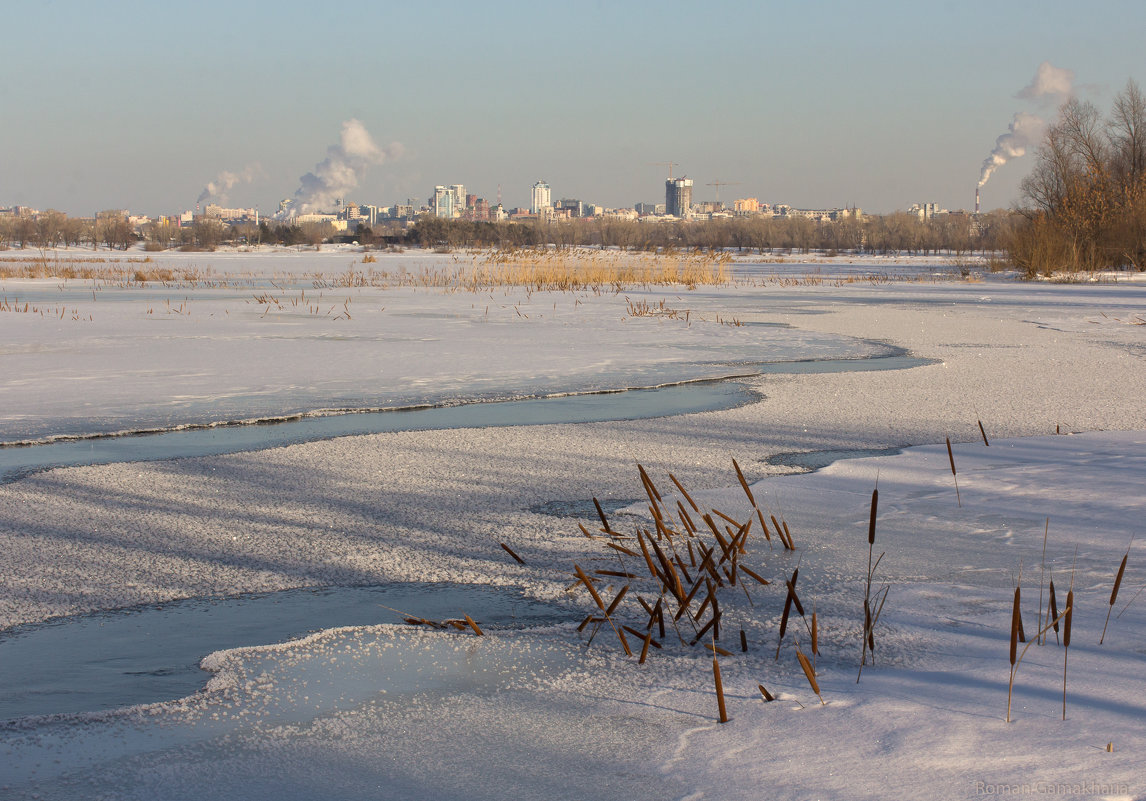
[[892, 233], [1085, 198]]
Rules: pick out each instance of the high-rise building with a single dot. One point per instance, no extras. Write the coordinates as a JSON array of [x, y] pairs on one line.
[[459, 193], [541, 197], [574, 207], [678, 197]]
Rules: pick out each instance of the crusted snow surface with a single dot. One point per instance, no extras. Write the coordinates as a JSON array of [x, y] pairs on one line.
[[395, 712]]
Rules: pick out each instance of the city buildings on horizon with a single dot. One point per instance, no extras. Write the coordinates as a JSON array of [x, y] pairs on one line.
[[452, 202]]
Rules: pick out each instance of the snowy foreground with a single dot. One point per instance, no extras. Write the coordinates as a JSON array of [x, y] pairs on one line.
[[1054, 372]]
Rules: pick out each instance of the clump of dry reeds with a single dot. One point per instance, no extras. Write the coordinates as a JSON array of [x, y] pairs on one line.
[[679, 571]]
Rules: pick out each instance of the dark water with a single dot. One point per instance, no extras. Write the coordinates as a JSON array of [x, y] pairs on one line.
[[634, 404], [817, 460], [108, 660]]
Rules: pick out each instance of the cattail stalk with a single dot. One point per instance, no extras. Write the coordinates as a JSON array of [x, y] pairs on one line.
[[719, 690], [811, 675], [951, 458], [1114, 592]]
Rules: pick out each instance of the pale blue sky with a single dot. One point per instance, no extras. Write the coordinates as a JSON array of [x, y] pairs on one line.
[[817, 104]]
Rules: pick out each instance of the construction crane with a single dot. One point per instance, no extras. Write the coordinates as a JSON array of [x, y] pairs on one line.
[[719, 184], [669, 164]]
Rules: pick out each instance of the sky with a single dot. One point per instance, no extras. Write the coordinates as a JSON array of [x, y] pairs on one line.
[[879, 105]]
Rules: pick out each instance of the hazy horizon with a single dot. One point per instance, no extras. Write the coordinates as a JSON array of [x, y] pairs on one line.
[[127, 105]]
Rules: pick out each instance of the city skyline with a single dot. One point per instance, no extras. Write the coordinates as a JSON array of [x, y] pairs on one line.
[[154, 109]]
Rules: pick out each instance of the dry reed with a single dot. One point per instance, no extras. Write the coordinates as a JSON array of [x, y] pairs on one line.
[[1114, 591], [719, 690], [951, 458]]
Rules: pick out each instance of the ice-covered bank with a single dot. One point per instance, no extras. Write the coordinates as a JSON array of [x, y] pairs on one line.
[[433, 506]]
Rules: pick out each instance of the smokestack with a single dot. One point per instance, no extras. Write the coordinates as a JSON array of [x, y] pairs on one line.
[[976, 200]]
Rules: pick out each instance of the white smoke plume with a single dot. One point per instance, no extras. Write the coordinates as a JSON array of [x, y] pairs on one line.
[[226, 181], [1025, 130], [336, 175], [1051, 84]]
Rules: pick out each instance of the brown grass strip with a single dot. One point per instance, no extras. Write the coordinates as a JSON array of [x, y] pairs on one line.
[[509, 551]]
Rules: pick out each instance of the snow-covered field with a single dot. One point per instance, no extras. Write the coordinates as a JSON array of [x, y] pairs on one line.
[[1053, 371]]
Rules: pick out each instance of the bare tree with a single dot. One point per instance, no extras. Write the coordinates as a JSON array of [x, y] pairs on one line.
[[1126, 129]]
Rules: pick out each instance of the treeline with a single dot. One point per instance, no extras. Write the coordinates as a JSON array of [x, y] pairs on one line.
[[900, 233], [1085, 199], [892, 233]]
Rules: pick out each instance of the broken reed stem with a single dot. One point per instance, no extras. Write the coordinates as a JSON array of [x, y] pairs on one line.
[[951, 458], [473, 625], [984, 433], [811, 675], [1114, 592], [509, 551], [764, 692]]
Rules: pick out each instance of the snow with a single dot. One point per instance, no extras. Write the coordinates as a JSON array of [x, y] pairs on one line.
[[394, 712]]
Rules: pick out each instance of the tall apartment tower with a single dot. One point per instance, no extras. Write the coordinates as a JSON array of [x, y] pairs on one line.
[[542, 199], [678, 197]]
